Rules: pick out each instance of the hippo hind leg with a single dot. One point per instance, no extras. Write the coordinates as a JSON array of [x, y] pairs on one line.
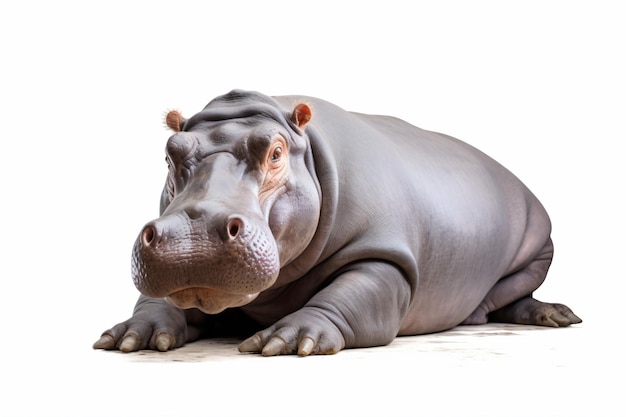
[[510, 300]]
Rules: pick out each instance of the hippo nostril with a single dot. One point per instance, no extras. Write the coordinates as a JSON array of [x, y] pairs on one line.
[[235, 225], [148, 235]]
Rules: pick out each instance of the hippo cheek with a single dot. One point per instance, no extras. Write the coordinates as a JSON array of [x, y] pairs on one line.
[[294, 218], [206, 271]]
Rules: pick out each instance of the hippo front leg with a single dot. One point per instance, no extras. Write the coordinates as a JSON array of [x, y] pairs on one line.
[[363, 306]]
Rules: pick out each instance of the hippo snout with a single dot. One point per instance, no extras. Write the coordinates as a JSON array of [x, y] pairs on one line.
[[208, 264]]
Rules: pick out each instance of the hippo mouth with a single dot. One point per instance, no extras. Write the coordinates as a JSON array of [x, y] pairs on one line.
[[208, 300]]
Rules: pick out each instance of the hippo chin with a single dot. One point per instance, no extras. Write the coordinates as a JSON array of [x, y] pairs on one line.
[[328, 229], [208, 300]]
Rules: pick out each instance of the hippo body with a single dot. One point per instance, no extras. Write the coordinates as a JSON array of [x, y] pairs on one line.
[[328, 230]]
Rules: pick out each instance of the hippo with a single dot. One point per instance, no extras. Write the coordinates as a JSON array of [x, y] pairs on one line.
[[307, 229]]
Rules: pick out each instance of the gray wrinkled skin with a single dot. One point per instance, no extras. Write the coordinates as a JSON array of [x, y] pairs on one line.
[[325, 229]]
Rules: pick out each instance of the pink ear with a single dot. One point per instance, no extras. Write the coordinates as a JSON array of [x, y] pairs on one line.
[[301, 115], [174, 120]]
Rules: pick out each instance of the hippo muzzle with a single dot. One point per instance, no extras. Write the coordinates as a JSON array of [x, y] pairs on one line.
[[204, 252]]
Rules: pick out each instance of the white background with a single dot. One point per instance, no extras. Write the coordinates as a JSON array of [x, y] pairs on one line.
[[538, 85]]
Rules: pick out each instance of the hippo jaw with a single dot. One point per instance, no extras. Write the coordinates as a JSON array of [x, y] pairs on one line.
[[208, 300]]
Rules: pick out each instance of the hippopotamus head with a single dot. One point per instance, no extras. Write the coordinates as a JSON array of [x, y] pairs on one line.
[[241, 200]]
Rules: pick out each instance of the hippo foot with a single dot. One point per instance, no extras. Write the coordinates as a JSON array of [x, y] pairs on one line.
[[131, 341], [305, 332], [534, 312], [155, 325]]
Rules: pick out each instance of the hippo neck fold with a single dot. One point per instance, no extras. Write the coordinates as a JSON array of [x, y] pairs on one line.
[[322, 166]]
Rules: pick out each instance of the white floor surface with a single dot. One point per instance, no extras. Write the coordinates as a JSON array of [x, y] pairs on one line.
[[490, 370]]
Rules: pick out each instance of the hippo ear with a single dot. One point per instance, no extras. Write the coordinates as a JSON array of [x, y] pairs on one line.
[[174, 120], [301, 115]]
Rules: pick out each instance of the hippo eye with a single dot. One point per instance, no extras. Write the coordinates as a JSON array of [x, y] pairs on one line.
[[278, 152]]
